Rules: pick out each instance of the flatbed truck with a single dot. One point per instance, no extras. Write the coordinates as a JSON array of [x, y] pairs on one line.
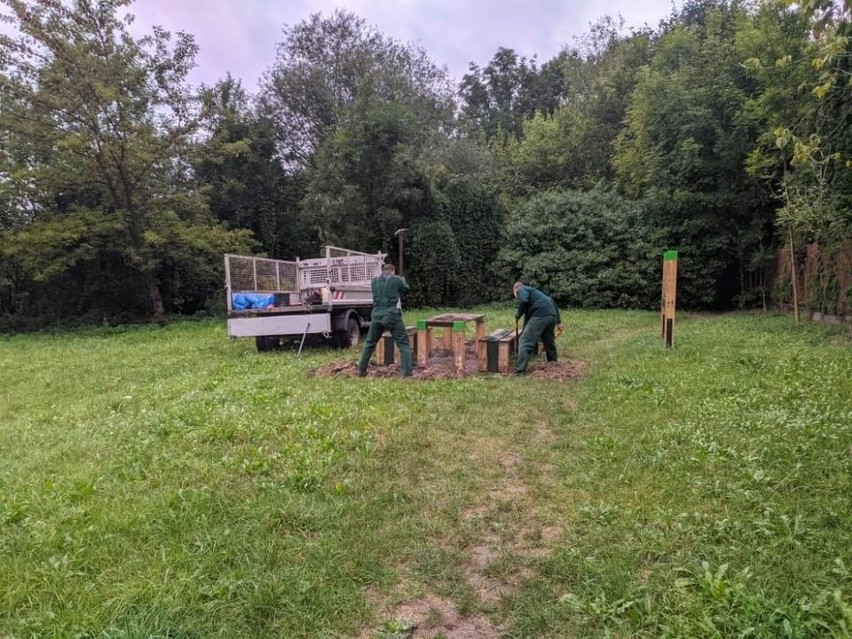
[[281, 301]]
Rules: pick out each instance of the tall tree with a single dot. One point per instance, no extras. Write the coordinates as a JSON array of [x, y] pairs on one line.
[[802, 62], [323, 64], [498, 98], [98, 126], [367, 182], [239, 169], [685, 144], [574, 146]]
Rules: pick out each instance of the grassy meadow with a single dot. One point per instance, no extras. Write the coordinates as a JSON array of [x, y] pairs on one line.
[[175, 483]]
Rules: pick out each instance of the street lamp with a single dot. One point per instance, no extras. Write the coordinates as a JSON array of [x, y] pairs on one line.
[[400, 233]]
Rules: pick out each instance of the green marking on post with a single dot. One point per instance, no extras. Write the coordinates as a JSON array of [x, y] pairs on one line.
[[669, 255], [421, 325], [458, 326]]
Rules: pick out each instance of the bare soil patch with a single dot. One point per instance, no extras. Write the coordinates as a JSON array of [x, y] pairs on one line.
[[441, 366], [432, 617]]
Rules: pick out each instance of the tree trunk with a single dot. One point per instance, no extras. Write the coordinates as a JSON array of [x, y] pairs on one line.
[[794, 278], [157, 301]]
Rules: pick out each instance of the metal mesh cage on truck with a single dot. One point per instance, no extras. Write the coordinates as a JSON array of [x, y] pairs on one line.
[[340, 267], [260, 275]]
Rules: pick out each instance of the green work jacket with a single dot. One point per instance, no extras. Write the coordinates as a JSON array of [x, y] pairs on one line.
[[532, 302], [386, 293]]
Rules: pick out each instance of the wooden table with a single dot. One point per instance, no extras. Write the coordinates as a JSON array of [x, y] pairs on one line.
[[453, 325]]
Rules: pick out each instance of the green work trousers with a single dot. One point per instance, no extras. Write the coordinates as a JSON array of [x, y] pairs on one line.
[[538, 327], [392, 322]]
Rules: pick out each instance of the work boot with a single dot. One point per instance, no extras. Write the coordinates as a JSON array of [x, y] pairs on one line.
[[362, 372]]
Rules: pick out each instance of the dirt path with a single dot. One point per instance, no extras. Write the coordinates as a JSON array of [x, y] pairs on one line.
[[506, 529]]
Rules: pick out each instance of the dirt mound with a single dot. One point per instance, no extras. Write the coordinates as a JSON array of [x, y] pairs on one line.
[[438, 368], [558, 371], [441, 367]]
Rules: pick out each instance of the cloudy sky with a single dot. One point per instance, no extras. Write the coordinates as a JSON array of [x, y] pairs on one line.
[[239, 36]]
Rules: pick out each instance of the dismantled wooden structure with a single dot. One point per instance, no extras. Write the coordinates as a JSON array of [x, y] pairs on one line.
[[387, 352], [496, 353], [453, 326]]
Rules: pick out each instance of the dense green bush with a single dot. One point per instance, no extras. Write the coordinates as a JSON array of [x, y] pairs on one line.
[[588, 249]]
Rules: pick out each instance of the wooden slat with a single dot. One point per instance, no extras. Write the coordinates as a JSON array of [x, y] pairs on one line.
[[458, 345]]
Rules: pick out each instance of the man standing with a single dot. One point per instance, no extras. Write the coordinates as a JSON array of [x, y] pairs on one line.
[[387, 316], [541, 322]]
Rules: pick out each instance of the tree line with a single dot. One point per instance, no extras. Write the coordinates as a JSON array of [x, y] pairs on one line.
[[724, 132]]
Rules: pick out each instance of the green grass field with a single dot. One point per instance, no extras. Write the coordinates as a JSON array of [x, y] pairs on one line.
[[174, 483]]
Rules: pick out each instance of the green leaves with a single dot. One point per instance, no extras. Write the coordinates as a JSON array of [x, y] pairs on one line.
[[586, 249], [325, 64], [99, 129]]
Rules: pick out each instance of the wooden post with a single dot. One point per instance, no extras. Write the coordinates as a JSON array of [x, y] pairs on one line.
[[424, 343], [482, 353], [379, 354], [448, 337], [794, 278], [667, 310], [458, 344], [480, 329]]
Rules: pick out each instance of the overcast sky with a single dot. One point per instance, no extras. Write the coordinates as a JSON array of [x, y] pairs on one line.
[[240, 35]]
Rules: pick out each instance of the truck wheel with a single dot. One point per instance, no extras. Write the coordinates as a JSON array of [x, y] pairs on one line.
[[351, 336], [263, 343]]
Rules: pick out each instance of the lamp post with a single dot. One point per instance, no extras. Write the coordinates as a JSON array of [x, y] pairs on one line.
[[400, 233]]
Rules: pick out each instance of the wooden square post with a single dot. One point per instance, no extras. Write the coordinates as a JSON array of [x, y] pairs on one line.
[[458, 344], [424, 343], [667, 310], [447, 337]]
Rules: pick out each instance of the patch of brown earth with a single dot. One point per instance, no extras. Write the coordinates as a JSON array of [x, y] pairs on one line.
[[510, 460], [432, 617], [475, 513], [438, 368], [561, 371], [442, 366]]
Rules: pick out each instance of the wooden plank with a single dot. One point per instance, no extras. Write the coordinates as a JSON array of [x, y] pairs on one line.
[[483, 349], [480, 328], [482, 355], [447, 319], [412, 341], [387, 352], [448, 338], [503, 356], [379, 353], [424, 343], [458, 344]]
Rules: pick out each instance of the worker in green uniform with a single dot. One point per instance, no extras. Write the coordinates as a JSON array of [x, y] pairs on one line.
[[542, 321], [387, 316]]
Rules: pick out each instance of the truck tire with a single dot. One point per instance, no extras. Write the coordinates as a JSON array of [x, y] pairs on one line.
[[264, 343], [351, 337]]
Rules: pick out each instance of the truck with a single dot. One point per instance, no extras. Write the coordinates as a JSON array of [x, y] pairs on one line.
[[279, 301]]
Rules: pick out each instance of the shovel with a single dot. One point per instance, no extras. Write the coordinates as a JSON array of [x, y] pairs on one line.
[[516, 339]]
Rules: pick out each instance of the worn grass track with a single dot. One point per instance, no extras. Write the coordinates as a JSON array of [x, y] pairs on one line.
[[174, 483]]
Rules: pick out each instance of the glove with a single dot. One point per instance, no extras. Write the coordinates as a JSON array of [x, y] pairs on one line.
[[559, 329]]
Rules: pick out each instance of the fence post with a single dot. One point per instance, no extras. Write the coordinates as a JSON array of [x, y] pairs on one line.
[[667, 311]]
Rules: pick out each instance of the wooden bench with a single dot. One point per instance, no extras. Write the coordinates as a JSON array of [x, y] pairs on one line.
[[496, 352], [386, 351]]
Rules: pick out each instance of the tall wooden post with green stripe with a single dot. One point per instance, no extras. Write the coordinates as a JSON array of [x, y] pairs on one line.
[[667, 309]]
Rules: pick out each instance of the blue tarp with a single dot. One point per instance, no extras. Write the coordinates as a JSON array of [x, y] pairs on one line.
[[245, 301]]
